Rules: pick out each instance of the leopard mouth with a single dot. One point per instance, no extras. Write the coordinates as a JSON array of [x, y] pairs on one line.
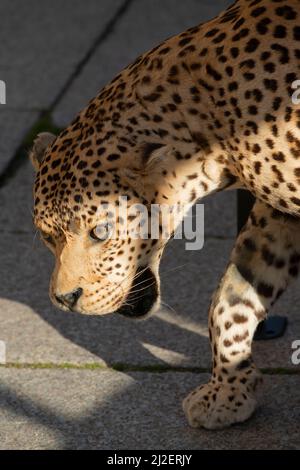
[[142, 295]]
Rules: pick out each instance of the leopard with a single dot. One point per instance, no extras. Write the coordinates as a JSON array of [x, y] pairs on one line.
[[207, 110]]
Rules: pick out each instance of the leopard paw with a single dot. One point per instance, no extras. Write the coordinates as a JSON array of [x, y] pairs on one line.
[[214, 406]]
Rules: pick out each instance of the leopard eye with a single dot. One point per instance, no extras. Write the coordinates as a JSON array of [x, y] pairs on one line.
[[101, 232], [47, 238]]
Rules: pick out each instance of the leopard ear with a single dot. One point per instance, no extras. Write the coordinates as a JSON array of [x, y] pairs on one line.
[[151, 159], [149, 163], [152, 155], [40, 144]]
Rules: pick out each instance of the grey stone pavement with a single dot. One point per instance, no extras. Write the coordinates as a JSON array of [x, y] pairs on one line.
[[74, 382]]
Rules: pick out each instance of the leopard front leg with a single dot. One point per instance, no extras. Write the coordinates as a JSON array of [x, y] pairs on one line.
[[229, 396], [262, 262]]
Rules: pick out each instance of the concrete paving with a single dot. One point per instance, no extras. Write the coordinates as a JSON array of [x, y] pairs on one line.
[[57, 56], [14, 125], [43, 46], [81, 409]]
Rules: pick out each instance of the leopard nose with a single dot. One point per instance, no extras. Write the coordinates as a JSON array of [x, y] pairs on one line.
[[69, 299]]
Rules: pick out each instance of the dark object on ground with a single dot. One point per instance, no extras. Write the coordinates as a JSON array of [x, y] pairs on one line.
[[273, 327]]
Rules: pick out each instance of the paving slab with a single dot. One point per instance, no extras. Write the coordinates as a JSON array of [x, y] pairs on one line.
[[71, 409], [44, 45], [28, 90], [56, 30], [48, 43], [144, 25], [14, 125]]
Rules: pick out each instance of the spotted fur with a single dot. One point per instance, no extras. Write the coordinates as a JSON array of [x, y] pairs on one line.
[[207, 110]]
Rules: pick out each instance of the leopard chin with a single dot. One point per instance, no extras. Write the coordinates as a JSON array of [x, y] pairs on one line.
[[143, 295]]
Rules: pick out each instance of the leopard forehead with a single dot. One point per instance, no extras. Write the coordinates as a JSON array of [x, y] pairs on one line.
[[79, 175]]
